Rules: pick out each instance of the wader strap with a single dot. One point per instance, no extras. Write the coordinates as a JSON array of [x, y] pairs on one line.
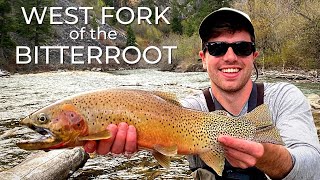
[[209, 100], [260, 90]]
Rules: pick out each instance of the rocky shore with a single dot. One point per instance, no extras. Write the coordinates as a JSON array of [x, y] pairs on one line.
[[314, 100], [293, 75]]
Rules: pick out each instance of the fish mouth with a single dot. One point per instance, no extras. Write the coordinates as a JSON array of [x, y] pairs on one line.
[[45, 142], [40, 130]]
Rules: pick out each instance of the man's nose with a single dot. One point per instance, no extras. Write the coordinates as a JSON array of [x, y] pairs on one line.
[[230, 55]]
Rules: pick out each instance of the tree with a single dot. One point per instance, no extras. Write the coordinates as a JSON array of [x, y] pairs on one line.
[[176, 25], [6, 26], [36, 33], [131, 38], [199, 10], [287, 31]]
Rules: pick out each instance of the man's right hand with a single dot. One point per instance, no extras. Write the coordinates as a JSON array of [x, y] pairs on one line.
[[123, 140]]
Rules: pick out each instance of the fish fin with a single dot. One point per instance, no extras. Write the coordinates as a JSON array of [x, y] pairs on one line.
[[266, 132], [163, 160], [97, 136], [221, 112], [167, 151], [170, 97], [213, 159]]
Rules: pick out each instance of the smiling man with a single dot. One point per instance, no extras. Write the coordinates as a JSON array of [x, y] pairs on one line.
[[228, 54]]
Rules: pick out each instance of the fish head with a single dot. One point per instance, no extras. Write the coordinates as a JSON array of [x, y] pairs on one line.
[[59, 124]]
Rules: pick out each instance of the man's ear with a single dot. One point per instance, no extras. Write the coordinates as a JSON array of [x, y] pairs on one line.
[[204, 62], [255, 55]]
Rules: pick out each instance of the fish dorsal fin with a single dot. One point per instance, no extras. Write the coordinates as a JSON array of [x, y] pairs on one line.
[[167, 151], [221, 112], [97, 136], [213, 159], [163, 160], [170, 97]]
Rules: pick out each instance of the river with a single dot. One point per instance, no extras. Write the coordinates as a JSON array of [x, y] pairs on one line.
[[22, 94]]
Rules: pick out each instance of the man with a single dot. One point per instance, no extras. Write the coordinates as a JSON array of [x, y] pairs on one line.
[[229, 55]]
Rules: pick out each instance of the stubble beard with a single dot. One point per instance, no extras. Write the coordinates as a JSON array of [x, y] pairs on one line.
[[234, 87]]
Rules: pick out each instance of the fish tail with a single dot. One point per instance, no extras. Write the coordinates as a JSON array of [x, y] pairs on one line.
[[266, 132]]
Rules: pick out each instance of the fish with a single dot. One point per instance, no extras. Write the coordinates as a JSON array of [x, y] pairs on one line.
[[164, 126]]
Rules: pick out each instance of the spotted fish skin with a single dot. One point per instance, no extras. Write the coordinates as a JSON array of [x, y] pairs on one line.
[[162, 124]]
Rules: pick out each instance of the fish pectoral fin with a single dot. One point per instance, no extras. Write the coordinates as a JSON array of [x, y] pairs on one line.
[[163, 160], [214, 159], [97, 136], [166, 150]]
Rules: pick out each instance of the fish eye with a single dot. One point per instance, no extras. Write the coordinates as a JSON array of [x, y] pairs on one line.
[[42, 118]]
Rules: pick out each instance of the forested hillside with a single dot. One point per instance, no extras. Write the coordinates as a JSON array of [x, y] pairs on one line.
[[288, 32]]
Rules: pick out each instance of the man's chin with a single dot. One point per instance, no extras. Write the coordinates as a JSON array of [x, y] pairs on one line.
[[230, 86]]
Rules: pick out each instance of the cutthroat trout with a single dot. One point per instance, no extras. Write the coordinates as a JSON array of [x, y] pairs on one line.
[[163, 125]]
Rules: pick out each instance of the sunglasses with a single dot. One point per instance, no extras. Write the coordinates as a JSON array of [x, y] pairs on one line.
[[241, 48]]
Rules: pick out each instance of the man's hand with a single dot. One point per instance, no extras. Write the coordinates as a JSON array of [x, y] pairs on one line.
[[241, 153], [274, 160], [123, 140]]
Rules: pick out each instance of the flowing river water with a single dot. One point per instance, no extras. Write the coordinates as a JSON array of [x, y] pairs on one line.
[[22, 94]]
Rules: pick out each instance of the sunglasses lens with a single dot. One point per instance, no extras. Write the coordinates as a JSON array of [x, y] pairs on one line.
[[239, 48], [217, 48], [243, 48]]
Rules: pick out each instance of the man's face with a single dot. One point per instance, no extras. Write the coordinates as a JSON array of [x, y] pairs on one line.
[[229, 72]]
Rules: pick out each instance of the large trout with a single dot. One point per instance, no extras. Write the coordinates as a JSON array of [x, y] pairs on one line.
[[163, 125]]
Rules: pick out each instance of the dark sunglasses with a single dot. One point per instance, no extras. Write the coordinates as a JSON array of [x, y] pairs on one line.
[[241, 48]]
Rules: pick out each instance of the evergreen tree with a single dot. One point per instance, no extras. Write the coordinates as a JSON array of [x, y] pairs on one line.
[[6, 26], [109, 3], [131, 38], [200, 10], [36, 33], [176, 25]]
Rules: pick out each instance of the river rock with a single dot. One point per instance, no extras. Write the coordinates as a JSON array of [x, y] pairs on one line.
[[52, 165], [314, 100], [4, 73]]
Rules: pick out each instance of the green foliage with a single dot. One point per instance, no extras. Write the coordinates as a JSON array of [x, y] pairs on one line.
[[187, 48], [287, 32], [148, 32], [7, 24], [200, 9], [176, 24], [131, 38], [37, 33], [109, 3], [113, 20], [311, 42], [94, 23]]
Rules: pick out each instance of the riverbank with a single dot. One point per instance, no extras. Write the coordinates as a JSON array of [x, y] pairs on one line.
[[312, 76]]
